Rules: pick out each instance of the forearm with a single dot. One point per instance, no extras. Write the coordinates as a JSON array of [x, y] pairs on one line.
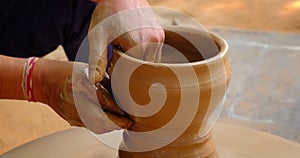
[[11, 77], [46, 77]]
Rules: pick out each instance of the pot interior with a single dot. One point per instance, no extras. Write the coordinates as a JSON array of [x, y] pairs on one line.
[[187, 46]]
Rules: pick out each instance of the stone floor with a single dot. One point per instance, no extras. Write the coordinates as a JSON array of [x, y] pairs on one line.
[[265, 87]]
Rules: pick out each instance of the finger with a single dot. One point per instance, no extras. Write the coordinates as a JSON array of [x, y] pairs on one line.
[[153, 52], [80, 108], [121, 121], [97, 57], [145, 44], [97, 42], [125, 41], [153, 47], [107, 102], [106, 84]]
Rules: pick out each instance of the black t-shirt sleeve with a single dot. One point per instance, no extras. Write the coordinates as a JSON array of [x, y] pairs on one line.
[[35, 27]]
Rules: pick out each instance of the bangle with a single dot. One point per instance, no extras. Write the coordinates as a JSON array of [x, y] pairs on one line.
[[27, 85]]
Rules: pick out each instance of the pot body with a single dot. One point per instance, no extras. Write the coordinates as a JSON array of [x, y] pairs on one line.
[[175, 103]]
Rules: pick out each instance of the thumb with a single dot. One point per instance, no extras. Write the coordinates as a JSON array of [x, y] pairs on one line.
[[98, 42], [98, 54]]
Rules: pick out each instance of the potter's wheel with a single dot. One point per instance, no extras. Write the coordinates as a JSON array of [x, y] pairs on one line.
[[232, 142]]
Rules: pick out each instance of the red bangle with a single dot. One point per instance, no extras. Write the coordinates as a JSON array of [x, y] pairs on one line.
[[27, 85]]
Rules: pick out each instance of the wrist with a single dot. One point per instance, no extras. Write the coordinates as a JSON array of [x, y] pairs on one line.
[[48, 78], [39, 89]]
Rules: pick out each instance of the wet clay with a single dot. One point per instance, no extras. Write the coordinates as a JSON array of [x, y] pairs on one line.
[[186, 49]]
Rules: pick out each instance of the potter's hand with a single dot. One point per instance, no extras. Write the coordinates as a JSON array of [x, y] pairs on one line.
[[126, 23], [73, 97]]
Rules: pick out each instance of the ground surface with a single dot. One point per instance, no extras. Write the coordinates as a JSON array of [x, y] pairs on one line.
[[21, 122], [267, 15]]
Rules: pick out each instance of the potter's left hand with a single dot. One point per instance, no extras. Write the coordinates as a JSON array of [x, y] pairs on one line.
[[71, 95], [113, 21]]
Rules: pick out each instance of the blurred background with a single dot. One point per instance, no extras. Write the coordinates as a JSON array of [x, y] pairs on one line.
[[264, 41]]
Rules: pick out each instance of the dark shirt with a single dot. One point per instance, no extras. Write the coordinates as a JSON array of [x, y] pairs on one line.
[[37, 27]]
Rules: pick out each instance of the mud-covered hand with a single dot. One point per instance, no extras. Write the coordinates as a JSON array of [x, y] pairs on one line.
[[126, 23], [80, 102]]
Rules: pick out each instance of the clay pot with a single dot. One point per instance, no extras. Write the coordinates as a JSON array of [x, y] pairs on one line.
[[175, 103]]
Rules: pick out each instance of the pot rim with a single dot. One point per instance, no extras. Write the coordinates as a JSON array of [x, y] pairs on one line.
[[221, 43]]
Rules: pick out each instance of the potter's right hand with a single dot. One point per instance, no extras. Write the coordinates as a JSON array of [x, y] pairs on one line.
[[126, 23], [69, 92]]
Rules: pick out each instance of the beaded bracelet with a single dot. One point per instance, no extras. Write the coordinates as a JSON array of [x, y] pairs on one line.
[[27, 79]]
